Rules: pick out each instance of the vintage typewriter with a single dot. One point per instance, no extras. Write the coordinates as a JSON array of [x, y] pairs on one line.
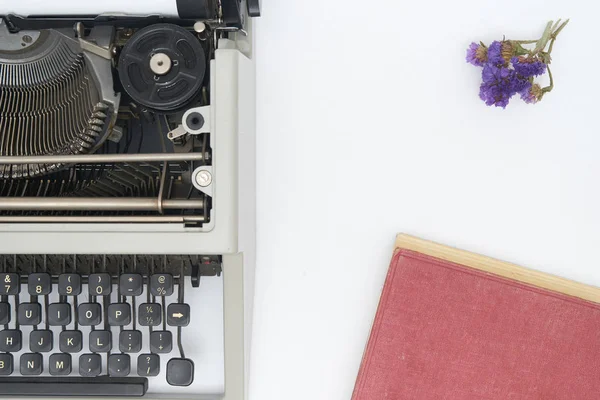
[[127, 218]]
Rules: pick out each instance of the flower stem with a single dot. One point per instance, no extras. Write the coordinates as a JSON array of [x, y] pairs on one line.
[[555, 34], [551, 86], [541, 44], [551, 45], [560, 28]]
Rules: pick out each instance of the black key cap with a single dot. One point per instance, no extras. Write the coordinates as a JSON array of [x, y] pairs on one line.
[[180, 372], [40, 341], [90, 365], [131, 284], [11, 285], [60, 364], [89, 314], [10, 341], [6, 364], [70, 341], [99, 285], [73, 387], [119, 365], [150, 314], [69, 285], [161, 342], [119, 314], [59, 314], [161, 285], [32, 364], [4, 313], [130, 341], [178, 314], [100, 341], [29, 314], [39, 284], [148, 365]]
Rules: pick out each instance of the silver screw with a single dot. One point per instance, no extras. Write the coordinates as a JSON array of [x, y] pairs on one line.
[[203, 178], [199, 27], [160, 64]]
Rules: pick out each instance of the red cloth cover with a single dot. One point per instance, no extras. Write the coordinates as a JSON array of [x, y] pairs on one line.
[[448, 332]]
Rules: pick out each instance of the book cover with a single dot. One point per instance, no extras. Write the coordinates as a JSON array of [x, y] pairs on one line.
[[478, 328]]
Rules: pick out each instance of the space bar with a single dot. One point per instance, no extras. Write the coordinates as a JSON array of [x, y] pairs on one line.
[[75, 386]]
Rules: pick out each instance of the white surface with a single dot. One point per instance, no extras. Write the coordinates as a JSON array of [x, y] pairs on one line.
[[369, 124], [86, 7]]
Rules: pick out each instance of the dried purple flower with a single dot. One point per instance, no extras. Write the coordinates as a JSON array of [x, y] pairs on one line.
[[509, 68], [477, 54], [519, 84], [533, 94], [493, 95], [508, 50], [493, 74], [495, 54], [500, 84], [528, 66], [496, 87]]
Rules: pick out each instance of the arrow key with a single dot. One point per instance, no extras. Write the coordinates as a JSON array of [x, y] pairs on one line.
[[178, 314], [161, 342]]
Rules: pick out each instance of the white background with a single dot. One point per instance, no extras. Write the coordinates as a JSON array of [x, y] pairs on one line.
[[369, 124]]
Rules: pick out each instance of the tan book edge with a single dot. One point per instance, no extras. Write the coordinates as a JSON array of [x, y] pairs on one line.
[[500, 268]]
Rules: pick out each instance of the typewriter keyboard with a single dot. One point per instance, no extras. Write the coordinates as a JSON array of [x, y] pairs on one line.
[[111, 328]]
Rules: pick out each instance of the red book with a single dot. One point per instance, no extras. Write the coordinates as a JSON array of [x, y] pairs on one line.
[[458, 326]]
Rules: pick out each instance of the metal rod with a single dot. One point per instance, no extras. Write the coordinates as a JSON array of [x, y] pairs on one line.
[[94, 204], [161, 190], [101, 158], [180, 219], [165, 167]]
